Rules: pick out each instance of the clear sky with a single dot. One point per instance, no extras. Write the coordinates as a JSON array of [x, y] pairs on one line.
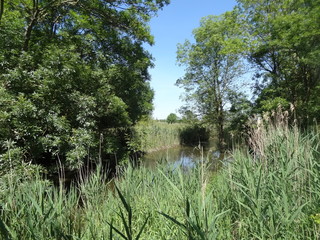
[[173, 25]]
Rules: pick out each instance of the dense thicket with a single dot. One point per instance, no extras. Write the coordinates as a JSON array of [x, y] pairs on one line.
[[72, 75]]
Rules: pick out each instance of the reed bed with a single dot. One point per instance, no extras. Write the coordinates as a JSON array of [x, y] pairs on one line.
[[273, 193], [154, 135]]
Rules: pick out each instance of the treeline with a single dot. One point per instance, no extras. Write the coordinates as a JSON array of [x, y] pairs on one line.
[[73, 77], [274, 46]]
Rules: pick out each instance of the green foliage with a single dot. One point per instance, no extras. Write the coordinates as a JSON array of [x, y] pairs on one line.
[[188, 116], [316, 218], [194, 134], [275, 195], [213, 64], [279, 40], [272, 189], [127, 222], [238, 118], [172, 118], [71, 72], [148, 136], [284, 47]]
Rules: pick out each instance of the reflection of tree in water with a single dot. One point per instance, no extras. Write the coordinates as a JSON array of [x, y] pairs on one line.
[[183, 156]]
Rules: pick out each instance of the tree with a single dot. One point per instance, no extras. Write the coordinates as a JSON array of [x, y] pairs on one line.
[[284, 48], [213, 65], [172, 118], [73, 76], [238, 114], [187, 115]]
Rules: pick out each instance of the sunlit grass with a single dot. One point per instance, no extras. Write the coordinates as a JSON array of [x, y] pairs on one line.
[[274, 196], [155, 135]]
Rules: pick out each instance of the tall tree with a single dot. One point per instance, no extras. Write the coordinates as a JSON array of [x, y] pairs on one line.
[[285, 48], [213, 64], [73, 75]]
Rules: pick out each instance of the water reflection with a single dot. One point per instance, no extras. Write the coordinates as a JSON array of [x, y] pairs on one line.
[[182, 156]]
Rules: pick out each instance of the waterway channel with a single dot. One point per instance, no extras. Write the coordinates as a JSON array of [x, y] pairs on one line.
[[183, 156]]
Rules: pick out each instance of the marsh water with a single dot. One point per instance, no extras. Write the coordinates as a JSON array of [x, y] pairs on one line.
[[184, 156]]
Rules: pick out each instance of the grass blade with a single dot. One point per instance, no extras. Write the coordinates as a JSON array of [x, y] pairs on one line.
[[172, 184], [118, 231], [143, 226], [173, 220], [3, 229]]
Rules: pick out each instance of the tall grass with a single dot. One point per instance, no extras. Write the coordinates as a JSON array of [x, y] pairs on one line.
[[272, 194], [154, 135]]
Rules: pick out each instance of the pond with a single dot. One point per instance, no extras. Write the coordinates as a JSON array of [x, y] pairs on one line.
[[184, 156]]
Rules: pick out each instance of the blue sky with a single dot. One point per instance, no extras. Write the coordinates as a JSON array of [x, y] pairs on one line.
[[173, 25]]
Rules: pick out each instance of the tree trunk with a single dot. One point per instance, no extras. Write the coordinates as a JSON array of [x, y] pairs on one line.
[[34, 20], [1, 8], [220, 130], [27, 34]]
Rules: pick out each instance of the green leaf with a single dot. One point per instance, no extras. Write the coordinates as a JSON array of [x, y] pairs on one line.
[[173, 220]]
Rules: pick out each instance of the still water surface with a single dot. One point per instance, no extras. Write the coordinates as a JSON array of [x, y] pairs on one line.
[[184, 156]]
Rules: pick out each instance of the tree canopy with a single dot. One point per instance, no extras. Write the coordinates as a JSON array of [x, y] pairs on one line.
[[172, 118], [72, 74], [284, 48]]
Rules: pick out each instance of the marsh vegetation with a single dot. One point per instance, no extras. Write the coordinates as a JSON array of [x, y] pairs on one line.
[[274, 195]]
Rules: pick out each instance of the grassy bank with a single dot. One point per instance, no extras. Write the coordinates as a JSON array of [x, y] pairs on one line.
[[154, 135], [271, 194]]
